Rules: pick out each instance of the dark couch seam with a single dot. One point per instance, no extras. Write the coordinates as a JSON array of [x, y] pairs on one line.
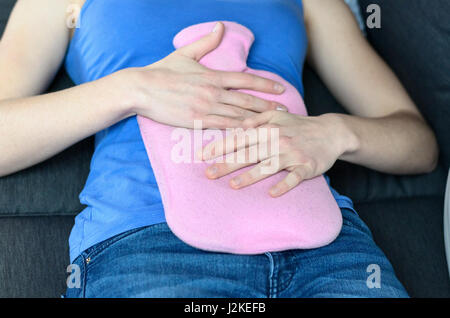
[[73, 214]]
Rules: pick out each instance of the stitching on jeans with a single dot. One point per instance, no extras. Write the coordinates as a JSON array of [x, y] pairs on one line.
[[83, 290], [290, 258], [271, 273], [100, 247], [275, 276]]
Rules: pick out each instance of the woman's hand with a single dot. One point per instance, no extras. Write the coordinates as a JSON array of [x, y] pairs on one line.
[[178, 90], [308, 147]]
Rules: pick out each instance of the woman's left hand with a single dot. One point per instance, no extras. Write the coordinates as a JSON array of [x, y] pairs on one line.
[[308, 147]]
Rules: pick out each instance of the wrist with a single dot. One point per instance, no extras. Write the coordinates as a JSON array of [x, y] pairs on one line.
[[343, 136], [124, 91]]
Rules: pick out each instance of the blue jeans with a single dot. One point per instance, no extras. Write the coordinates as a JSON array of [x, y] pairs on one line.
[[153, 262]]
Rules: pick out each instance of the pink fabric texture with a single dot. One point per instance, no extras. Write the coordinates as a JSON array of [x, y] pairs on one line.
[[208, 214]]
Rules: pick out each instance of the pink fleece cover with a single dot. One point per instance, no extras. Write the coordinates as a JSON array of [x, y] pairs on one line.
[[208, 214]]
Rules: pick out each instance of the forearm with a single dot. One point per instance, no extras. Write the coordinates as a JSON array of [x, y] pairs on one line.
[[36, 128], [401, 143]]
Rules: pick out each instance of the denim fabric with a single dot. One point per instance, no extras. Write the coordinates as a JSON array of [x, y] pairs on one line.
[[152, 262]]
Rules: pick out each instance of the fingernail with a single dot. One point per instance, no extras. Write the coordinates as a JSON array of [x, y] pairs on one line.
[[279, 87], [212, 171], [236, 182], [274, 191], [282, 108], [216, 27]]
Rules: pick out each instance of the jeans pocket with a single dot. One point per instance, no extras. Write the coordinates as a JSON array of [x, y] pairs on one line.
[[98, 248]]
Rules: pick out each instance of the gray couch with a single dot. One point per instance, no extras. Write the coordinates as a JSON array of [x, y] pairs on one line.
[[405, 214]]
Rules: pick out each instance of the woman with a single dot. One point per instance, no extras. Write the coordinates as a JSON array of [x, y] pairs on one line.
[[121, 58]]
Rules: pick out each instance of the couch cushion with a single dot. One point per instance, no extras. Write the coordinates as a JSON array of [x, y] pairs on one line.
[[414, 41], [5, 9], [49, 188], [34, 255], [410, 232]]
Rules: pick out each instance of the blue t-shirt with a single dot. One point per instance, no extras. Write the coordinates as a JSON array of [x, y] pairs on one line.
[[121, 192]]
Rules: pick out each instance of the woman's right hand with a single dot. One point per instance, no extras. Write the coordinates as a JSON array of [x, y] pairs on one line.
[[178, 90]]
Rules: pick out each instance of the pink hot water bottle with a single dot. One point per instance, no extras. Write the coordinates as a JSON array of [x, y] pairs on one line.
[[208, 214]]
